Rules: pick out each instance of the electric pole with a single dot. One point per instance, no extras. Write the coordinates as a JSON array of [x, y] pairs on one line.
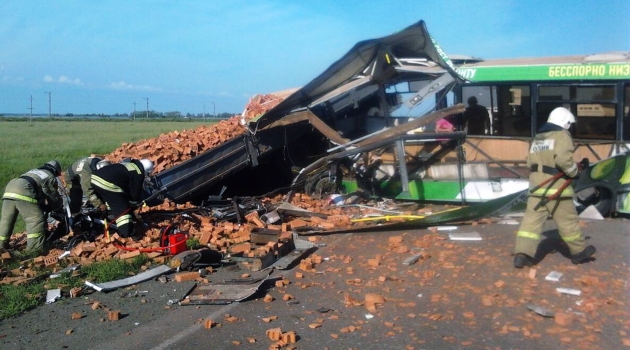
[[134, 111], [214, 110], [49, 104], [146, 98], [30, 120]]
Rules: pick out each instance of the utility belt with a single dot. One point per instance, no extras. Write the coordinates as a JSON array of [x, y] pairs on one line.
[[34, 184], [545, 169]]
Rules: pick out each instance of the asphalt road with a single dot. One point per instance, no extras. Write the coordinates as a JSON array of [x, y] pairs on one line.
[[459, 294]]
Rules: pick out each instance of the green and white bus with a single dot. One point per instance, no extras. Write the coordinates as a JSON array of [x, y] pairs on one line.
[[520, 93]]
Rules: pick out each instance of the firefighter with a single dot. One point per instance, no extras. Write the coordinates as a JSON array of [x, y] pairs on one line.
[[31, 195], [551, 152], [78, 177], [120, 186]]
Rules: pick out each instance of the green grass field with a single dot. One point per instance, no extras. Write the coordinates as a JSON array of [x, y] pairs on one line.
[[25, 145]]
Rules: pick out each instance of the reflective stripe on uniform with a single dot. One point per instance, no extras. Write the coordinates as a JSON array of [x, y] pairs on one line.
[[34, 235], [133, 167], [19, 197], [572, 238], [123, 220], [526, 234], [106, 185]]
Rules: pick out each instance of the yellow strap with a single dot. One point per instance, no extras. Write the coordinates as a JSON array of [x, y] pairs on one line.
[[19, 197], [526, 234], [389, 217], [34, 235]]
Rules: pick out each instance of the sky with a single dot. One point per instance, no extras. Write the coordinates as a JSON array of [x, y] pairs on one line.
[[115, 56]]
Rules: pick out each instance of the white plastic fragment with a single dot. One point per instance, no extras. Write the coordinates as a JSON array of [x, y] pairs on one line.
[[554, 276], [369, 316], [570, 291], [52, 295]]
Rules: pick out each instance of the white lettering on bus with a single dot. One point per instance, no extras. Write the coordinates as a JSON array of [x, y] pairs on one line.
[[467, 73], [578, 71]]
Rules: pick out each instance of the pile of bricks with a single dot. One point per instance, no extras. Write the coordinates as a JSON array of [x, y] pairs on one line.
[[175, 147]]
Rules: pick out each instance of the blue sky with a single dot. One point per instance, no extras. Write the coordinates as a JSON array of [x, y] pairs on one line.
[[195, 56]]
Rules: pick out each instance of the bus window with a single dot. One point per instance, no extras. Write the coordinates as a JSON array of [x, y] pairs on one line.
[[509, 107], [593, 107]]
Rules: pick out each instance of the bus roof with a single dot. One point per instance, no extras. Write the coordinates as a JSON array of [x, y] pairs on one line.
[[603, 66]]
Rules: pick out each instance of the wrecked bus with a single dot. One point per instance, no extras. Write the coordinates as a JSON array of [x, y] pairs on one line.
[[369, 124]]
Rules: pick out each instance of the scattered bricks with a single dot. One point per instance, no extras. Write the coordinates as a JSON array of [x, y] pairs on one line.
[[374, 298], [299, 275], [314, 325], [402, 249], [274, 334], [269, 319], [75, 292], [268, 298], [499, 284], [77, 316], [373, 262], [5, 256], [50, 261], [69, 331], [287, 297], [279, 284], [254, 219], [395, 240], [564, 318], [251, 340], [113, 315], [382, 278], [209, 324], [232, 319], [244, 247], [96, 305], [297, 223], [532, 273], [205, 238], [289, 337], [110, 250], [129, 254], [186, 276]]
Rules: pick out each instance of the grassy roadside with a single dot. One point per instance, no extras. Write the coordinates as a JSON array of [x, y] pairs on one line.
[[16, 299], [25, 145]]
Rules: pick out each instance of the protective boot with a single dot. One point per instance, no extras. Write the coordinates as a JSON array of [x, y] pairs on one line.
[[521, 260], [584, 256]]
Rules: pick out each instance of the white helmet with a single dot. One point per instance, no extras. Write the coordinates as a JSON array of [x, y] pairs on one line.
[[561, 117], [147, 164], [103, 163]]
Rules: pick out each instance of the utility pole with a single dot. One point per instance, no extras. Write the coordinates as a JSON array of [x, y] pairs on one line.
[[49, 104], [146, 98], [204, 112], [214, 110], [134, 111], [30, 120]]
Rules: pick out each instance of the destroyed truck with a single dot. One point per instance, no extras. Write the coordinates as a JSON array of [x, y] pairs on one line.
[[371, 113]]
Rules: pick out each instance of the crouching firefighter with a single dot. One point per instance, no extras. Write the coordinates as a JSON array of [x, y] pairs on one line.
[[551, 163], [31, 195], [78, 183], [120, 186]]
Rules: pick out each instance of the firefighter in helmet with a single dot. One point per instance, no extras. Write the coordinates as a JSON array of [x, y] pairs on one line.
[[551, 152], [120, 186], [31, 195], [78, 183]]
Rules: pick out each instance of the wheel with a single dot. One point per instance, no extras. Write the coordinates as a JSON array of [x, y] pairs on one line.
[[322, 185], [599, 197]]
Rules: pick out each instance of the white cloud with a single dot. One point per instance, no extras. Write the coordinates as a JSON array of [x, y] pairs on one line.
[[62, 80], [121, 85]]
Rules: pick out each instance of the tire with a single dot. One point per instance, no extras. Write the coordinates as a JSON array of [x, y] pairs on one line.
[[599, 197]]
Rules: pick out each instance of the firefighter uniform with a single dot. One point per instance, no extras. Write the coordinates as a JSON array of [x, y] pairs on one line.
[[120, 186], [78, 177], [551, 152], [30, 195]]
